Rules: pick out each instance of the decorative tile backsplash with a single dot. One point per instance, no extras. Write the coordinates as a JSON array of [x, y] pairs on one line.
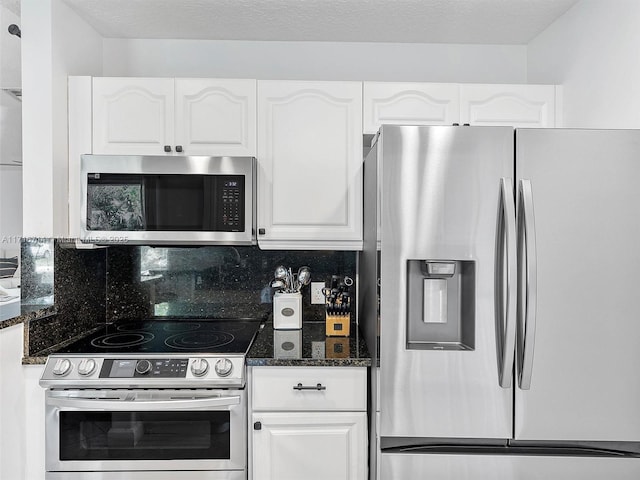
[[93, 286], [55, 273], [211, 282]]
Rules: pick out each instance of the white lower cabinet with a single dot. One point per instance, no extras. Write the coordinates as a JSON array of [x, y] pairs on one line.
[[309, 445], [308, 423]]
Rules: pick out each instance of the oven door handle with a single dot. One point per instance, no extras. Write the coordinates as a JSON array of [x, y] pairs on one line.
[[200, 403]]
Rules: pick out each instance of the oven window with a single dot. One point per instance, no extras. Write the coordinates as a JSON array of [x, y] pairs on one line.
[[145, 435]]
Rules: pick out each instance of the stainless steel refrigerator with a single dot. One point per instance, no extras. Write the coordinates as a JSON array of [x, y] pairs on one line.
[[500, 294]]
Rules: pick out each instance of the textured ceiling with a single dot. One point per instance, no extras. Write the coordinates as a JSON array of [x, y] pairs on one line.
[[508, 22], [512, 22]]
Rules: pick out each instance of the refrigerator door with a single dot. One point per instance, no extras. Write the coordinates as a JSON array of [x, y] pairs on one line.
[[584, 383], [403, 466], [443, 342]]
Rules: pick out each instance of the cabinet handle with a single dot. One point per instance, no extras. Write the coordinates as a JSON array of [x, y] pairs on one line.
[[179, 148], [167, 148], [319, 386], [257, 426], [261, 231]]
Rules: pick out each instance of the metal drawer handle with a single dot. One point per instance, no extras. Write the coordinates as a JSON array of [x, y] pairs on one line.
[[319, 386]]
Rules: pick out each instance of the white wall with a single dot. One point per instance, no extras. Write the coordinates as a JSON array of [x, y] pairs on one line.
[[593, 51], [10, 138], [316, 60], [59, 44]]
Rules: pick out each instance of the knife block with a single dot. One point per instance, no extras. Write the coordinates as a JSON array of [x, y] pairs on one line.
[[337, 325], [337, 347]]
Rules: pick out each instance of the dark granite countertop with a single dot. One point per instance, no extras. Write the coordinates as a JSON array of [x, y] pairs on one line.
[[24, 313], [308, 346]]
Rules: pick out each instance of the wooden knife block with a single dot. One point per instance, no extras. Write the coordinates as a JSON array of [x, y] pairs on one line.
[[337, 325]]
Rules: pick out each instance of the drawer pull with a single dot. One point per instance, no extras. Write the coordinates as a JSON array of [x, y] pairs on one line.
[[319, 386]]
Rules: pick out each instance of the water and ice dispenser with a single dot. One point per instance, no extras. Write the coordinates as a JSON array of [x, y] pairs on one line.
[[440, 305]]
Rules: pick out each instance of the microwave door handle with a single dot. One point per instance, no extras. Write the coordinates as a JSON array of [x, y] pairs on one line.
[[143, 405], [505, 309], [527, 304]]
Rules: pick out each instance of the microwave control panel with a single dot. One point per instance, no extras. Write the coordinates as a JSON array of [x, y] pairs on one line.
[[231, 196]]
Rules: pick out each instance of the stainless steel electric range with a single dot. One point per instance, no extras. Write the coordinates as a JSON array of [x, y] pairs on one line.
[[159, 399]]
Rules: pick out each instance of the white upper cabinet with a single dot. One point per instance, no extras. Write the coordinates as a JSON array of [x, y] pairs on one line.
[[310, 165], [157, 116], [512, 105], [410, 104], [446, 104], [216, 116], [132, 115]]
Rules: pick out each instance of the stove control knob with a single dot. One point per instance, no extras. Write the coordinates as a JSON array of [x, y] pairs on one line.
[[87, 367], [62, 367], [224, 367], [199, 367], [143, 367]]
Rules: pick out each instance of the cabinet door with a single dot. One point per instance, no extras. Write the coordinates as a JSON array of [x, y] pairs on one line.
[[133, 116], [410, 104], [216, 117], [509, 105], [309, 446], [310, 165]]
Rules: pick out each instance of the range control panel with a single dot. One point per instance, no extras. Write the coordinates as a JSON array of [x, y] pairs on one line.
[[131, 368], [64, 371]]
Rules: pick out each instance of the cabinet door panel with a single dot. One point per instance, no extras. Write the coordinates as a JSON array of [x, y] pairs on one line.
[[216, 117], [344, 388], [309, 446], [310, 158], [410, 104], [132, 115], [508, 105]]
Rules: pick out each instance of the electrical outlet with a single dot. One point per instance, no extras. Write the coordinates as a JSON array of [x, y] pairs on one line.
[[317, 297], [317, 348]]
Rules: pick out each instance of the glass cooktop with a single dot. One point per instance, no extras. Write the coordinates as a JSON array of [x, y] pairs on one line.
[[169, 336]]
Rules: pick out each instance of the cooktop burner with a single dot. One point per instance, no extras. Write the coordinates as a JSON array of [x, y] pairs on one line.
[[166, 336]]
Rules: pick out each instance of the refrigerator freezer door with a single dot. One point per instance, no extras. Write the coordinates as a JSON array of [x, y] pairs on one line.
[[403, 466], [440, 203], [584, 378]]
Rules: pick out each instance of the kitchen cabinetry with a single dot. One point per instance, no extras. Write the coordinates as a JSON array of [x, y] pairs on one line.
[[394, 103], [308, 422], [184, 116], [509, 105], [445, 104], [310, 165]]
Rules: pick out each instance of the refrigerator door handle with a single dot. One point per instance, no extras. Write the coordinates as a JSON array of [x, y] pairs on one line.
[[506, 288], [528, 290]]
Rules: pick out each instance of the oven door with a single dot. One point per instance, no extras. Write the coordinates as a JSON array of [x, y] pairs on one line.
[[145, 430]]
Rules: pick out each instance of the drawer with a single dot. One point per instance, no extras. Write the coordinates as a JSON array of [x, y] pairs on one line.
[[296, 388]]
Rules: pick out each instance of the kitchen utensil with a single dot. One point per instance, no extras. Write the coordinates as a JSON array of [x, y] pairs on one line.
[[277, 284], [280, 273], [304, 277]]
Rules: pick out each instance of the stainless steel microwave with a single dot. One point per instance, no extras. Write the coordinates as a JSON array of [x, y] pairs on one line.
[[147, 200]]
